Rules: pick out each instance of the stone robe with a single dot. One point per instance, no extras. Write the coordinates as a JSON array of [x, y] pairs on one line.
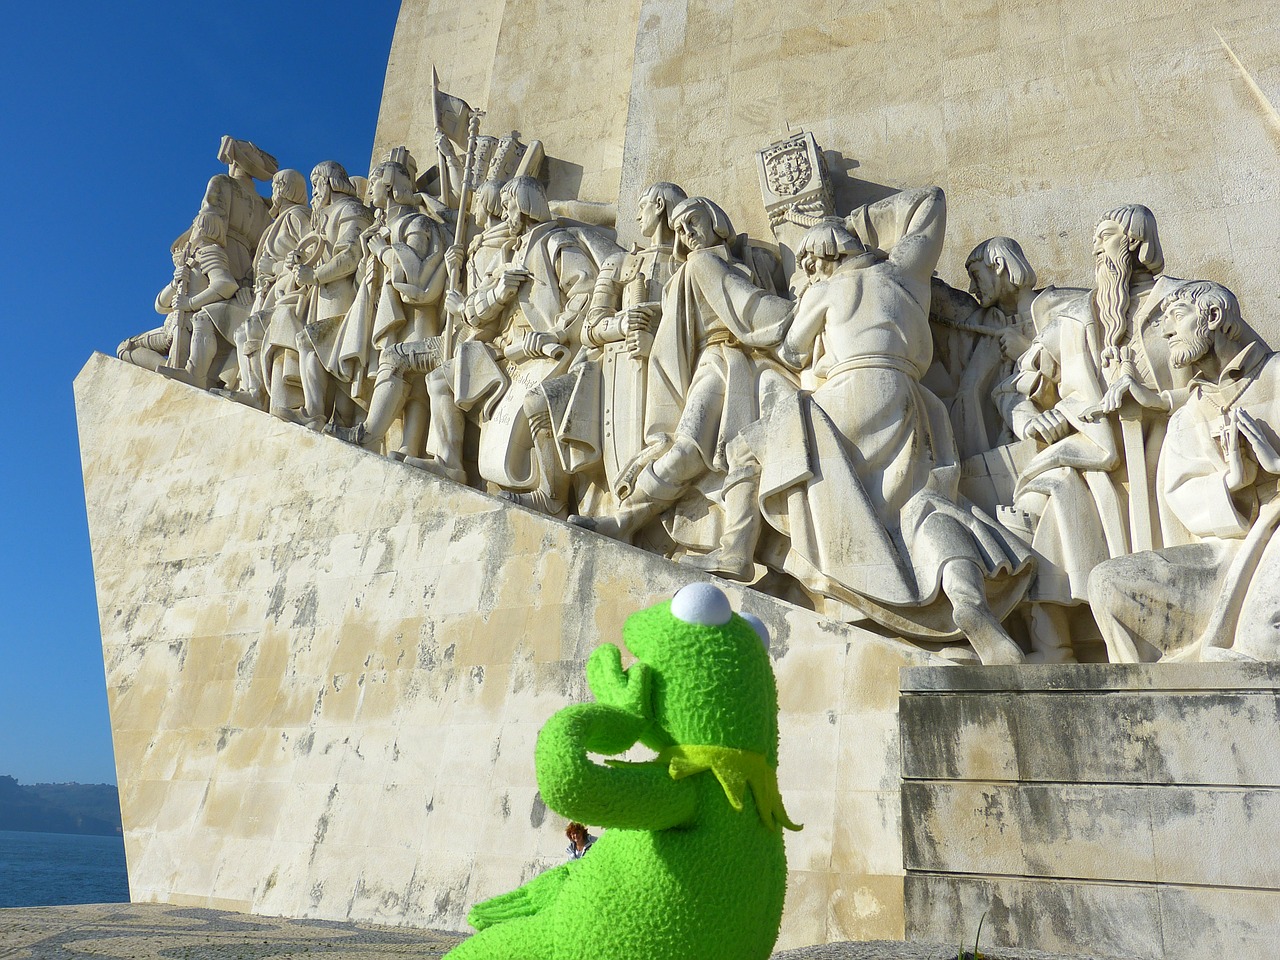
[[861, 476], [553, 300], [1214, 598], [339, 226], [280, 303], [702, 380]]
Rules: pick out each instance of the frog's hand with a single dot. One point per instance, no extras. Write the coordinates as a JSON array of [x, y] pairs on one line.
[[630, 690], [523, 901], [639, 796]]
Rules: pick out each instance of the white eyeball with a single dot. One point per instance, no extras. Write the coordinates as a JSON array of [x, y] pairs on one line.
[[701, 603], [758, 626]]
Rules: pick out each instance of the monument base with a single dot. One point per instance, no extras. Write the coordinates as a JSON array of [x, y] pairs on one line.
[[1120, 810], [326, 672]]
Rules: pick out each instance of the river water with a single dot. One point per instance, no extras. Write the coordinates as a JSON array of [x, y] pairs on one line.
[[48, 869]]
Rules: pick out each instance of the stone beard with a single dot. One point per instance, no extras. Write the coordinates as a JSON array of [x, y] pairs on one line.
[[1113, 278]]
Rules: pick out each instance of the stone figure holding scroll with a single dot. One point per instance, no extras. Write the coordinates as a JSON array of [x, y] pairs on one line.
[[860, 476], [702, 386], [1210, 599]]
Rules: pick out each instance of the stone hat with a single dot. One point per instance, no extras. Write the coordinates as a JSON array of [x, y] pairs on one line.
[[255, 162]]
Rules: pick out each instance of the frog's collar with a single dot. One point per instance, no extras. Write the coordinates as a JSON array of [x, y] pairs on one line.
[[736, 770]]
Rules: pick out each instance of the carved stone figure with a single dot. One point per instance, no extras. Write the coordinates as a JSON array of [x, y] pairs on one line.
[[201, 300], [277, 295], [398, 301], [599, 405], [327, 360], [702, 387], [1218, 468], [870, 507], [233, 197], [981, 346], [1090, 488], [524, 316]]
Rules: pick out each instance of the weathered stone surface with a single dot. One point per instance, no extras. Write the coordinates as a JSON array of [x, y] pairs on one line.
[[1112, 920], [1153, 834], [1126, 811], [326, 672], [1134, 737]]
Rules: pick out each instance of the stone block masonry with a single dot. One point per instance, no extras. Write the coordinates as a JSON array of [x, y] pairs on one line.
[[1120, 810]]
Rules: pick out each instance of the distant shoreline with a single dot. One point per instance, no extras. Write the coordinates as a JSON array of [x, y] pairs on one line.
[[83, 809]]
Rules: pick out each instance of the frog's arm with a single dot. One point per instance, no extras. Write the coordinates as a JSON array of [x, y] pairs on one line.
[[523, 901], [631, 796]]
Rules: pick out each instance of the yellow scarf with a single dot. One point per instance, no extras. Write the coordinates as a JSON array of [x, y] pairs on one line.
[[736, 770]]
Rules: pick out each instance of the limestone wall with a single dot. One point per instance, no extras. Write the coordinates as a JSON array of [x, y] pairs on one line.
[[1111, 810], [1035, 117], [326, 672]]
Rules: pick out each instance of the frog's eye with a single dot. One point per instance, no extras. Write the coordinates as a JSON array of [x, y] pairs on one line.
[[758, 626], [703, 604]]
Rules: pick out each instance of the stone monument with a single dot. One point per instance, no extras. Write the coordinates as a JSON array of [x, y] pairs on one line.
[[574, 340]]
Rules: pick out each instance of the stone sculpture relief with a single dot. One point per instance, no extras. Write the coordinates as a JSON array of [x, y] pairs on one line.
[[800, 415]]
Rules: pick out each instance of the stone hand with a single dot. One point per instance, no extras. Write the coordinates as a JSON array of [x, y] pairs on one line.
[[1049, 427], [1012, 343], [305, 275], [182, 304], [639, 318], [509, 283], [454, 259], [1126, 388], [453, 302], [639, 344], [539, 344], [1263, 452]]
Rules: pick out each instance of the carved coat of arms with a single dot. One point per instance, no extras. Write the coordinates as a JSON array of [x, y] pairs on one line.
[[788, 169]]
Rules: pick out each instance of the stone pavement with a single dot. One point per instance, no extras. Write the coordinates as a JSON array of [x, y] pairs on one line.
[[153, 931]]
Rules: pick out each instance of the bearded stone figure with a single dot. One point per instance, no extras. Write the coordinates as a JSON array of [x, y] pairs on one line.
[[1210, 598], [1087, 489]]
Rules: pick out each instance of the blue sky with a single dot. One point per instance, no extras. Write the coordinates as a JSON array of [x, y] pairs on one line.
[[111, 117]]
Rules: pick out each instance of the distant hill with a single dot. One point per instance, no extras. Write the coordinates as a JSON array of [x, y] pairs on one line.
[[92, 808]]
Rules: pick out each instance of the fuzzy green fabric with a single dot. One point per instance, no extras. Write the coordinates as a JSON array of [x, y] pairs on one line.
[[690, 865]]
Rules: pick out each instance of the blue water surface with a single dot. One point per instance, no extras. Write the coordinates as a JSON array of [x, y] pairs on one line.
[[49, 869]]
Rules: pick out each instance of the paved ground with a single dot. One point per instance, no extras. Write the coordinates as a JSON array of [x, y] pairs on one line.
[[147, 931]]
